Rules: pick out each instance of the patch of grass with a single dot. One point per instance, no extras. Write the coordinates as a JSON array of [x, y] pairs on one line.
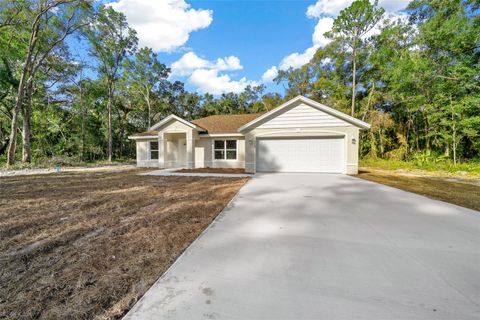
[[88, 245], [64, 162], [446, 167], [459, 193]]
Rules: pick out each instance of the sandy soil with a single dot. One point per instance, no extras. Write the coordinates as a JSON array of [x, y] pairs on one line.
[[462, 192], [88, 245], [25, 172]]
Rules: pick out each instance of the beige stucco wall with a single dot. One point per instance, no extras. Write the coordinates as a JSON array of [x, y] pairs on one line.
[[176, 145], [180, 145], [204, 153], [349, 132], [299, 121], [143, 157]]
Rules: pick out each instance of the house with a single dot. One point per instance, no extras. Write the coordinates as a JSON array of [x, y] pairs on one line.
[[301, 135]]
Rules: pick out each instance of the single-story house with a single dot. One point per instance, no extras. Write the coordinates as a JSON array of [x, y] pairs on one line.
[[301, 135]]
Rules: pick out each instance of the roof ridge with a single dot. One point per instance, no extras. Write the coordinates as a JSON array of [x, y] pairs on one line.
[[229, 115]]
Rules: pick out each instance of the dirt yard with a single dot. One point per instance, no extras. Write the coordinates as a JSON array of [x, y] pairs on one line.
[[462, 192], [36, 171], [213, 170], [88, 245]]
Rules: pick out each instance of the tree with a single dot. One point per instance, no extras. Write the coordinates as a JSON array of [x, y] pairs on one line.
[[51, 21], [111, 41], [298, 81], [350, 27], [144, 75]]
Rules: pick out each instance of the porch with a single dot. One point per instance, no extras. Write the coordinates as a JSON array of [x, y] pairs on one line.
[[176, 150]]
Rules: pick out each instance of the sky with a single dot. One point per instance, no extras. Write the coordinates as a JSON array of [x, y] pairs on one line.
[[224, 45]]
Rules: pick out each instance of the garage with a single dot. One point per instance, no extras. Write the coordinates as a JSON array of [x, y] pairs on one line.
[[306, 154]]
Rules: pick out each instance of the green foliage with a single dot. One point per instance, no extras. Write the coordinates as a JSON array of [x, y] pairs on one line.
[[416, 82], [468, 168]]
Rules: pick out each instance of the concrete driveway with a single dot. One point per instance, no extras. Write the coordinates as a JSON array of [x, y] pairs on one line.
[[312, 246]]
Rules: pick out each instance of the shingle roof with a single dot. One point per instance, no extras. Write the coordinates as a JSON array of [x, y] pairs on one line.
[[228, 123], [146, 134]]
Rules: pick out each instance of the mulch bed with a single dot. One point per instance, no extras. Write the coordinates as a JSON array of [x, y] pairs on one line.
[[88, 245], [212, 170]]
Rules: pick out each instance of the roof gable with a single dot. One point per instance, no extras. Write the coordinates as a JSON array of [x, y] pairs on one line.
[[229, 123], [326, 115], [173, 117]]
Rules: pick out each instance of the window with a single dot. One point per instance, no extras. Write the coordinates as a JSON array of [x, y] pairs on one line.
[[153, 150], [225, 149]]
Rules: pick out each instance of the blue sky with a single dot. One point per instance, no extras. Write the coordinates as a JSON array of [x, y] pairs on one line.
[[223, 45], [259, 33]]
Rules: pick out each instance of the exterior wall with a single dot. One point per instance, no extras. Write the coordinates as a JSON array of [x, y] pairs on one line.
[[204, 153], [303, 116], [350, 133], [302, 120], [299, 120], [143, 154], [177, 144]]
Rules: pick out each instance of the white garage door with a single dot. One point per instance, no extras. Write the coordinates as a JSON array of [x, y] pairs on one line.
[[301, 155]]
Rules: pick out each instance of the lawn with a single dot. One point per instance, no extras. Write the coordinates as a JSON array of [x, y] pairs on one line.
[[462, 192], [442, 168], [88, 245]]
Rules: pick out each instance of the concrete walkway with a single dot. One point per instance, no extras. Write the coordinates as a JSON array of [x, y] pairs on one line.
[[173, 172], [307, 246]]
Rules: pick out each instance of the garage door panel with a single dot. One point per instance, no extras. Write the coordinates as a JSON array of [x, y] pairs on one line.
[[301, 155]]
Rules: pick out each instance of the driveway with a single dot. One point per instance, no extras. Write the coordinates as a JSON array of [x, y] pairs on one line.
[[312, 246]]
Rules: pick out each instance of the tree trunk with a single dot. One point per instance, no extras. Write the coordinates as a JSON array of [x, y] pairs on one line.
[[110, 139], [354, 79], [427, 132], [454, 141], [27, 115], [367, 108], [14, 126], [147, 100], [84, 116], [380, 139], [21, 89]]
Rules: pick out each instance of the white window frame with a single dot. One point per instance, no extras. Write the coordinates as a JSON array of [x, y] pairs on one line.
[[225, 149], [150, 150]]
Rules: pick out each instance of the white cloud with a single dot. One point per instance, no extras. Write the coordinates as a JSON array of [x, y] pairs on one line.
[[296, 60], [270, 74], [206, 75], [190, 62], [208, 80], [332, 8], [325, 11], [163, 25], [326, 7], [323, 25]]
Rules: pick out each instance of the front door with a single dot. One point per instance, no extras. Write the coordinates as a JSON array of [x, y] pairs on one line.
[[182, 153]]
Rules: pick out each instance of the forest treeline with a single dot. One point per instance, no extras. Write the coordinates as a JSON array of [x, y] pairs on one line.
[[75, 84]]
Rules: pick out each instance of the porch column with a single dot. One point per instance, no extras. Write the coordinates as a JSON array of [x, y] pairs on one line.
[[162, 150], [190, 150]]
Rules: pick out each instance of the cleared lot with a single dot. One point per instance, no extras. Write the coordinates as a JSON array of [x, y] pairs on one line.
[[88, 245]]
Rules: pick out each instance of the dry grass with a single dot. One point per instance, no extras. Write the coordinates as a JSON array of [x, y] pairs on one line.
[[83, 246], [213, 170], [464, 194]]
